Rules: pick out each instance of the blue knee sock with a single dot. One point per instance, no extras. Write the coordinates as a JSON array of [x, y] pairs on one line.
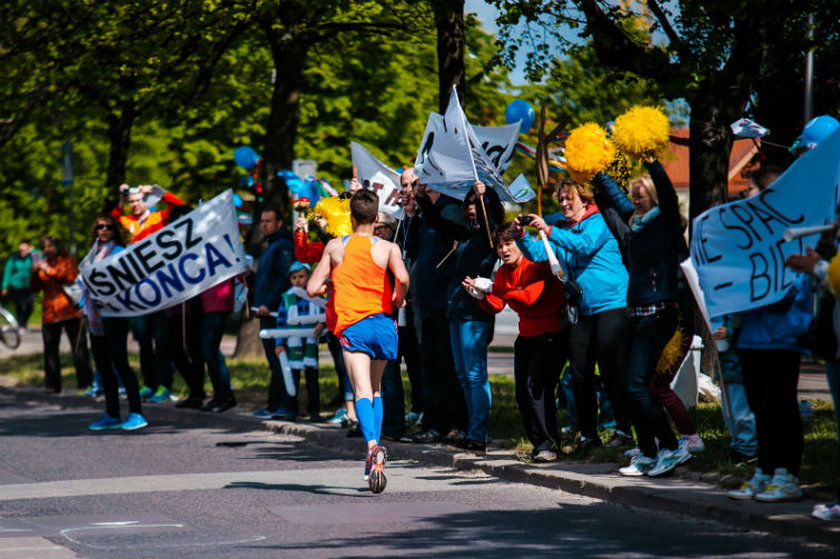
[[367, 419], [377, 416]]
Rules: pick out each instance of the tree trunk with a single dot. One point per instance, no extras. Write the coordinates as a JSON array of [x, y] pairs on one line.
[[248, 343], [289, 53], [120, 122], [451, 44], [710, 144]]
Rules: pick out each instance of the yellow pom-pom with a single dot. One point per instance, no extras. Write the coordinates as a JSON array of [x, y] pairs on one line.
[[673, 353], [337, 213], [642, 132], [834, 275], [588, 151]]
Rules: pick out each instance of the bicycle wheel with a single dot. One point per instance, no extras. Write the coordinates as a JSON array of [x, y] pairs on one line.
[[9, 334]]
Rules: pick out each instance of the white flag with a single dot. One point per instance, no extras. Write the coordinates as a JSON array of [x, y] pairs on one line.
[[178, 262], [375, 175]]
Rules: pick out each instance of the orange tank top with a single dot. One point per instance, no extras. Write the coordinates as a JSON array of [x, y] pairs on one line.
[[360, 287]]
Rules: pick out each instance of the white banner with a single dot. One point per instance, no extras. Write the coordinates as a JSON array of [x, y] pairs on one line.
[[454, 154], [738, 249], [176, 263], [375, 175]]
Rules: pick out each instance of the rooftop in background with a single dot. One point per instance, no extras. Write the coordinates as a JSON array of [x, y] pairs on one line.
[[676, 164]]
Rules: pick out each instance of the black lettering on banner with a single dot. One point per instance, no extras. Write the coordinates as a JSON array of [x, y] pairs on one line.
[[103, 288], [129, 255], [393, 198], [759, 275], [762, 196], [736, 227], [187, 224], [491, 150], [192, 280], [165, 240], [124, 299], [138, 291], [766, 217], [121, 274], [376, 187], [144, 257], [214, 259], [172, 280], [743, 214]]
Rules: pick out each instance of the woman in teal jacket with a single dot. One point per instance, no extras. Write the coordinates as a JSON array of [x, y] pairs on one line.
[[589, 255], [16, 282]]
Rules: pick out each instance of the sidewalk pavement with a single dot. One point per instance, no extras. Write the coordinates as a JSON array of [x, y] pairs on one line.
[[689, 494]]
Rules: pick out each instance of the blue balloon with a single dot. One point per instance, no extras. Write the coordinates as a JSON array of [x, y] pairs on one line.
[[522, 112], [246, 157], [818, 129], [237, 200]]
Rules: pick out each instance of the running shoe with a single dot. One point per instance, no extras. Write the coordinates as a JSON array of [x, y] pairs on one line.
[[377, 479], [107, 422]]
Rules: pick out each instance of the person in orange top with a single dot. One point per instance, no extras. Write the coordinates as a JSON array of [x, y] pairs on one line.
[[141, 222], [364, 298], [55, 269], [539, 298]]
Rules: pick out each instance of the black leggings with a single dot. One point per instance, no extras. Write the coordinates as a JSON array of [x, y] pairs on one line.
[[51, 334], [111, 357], [771, 378], [535, 373], [600, 338]]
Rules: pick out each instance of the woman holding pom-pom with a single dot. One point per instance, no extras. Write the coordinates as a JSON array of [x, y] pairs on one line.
[[654, 242]]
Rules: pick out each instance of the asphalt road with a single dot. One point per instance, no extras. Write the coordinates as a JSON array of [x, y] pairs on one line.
[[179, 490]]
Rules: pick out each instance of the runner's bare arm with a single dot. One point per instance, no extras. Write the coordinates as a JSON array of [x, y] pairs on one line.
[[397, 266], [317, 284]]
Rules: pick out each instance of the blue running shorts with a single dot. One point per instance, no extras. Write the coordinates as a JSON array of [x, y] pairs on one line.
[[375, 336]]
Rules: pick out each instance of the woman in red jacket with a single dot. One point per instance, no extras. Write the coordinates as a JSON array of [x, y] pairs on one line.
[[56, 269], [538, 297]]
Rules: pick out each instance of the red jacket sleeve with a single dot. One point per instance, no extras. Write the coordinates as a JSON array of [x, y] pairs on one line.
[[491, 303], [521, 299]]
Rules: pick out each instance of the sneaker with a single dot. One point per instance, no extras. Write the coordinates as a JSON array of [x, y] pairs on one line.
[[134, 421], [750, 488], [93, 392], [639, 466], [586, 445], [264, 413], [619, 439], [377, 480], [426, 437], [667, 460], [693, 442], [146, 392], [544, 456], [283, 414], [455, 436], [827, 512], [633, 452], [783, 487], [741, 459], [162, 394], [412, 418], [107, 422], [224, 405], [190, 404], [470, 446], [339, 416]]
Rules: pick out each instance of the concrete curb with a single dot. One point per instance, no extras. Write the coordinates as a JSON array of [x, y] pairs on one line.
[[689, 494]]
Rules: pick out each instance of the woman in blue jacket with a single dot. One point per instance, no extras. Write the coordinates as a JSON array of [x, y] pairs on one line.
[[654, 243], [589, 255]]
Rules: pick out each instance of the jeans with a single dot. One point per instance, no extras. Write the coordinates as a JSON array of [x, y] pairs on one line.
[[51, 334], [111, 357], [648, 337], [278, 397], [536, 369], [600, 338], [469, 340], [740, 420], [393, 401], [443, 398], [151, 333], [771, 378], [212, 330]]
